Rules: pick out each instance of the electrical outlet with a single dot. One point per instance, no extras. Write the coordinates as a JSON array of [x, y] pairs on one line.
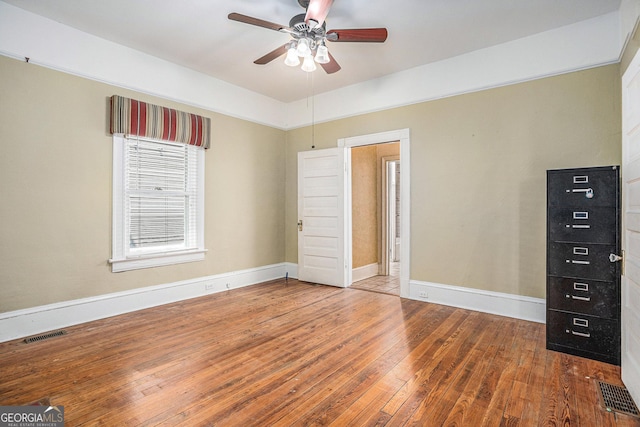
[[423, 294], [228, 285], [208, 286]]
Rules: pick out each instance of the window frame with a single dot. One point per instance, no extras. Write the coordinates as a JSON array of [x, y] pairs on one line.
[[121, 259]]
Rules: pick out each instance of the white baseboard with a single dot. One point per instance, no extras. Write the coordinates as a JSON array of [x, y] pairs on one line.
[[510, 305], [503, 304], [364, 272], [36, 320]]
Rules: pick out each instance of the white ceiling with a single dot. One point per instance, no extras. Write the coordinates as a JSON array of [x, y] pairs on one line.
[[198, 35]]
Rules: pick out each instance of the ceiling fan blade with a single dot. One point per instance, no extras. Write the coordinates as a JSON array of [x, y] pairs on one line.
[[272, 55], [331, 66], [317, 11], [258, 22], [366, 35]]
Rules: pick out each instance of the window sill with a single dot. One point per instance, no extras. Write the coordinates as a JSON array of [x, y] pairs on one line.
[[159, 260]]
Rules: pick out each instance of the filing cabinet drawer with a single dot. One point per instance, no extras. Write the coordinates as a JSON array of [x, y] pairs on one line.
[[586, 260], [582, 332], [595, 187], [589, 224], [584, 296]]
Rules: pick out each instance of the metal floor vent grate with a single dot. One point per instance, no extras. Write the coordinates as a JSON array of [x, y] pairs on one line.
[[44, 336], [616, 398]]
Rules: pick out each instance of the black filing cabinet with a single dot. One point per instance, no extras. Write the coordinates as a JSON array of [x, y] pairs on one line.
[[583, 263]]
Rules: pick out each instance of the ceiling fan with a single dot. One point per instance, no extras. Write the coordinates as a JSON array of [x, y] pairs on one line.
[[309, 36]]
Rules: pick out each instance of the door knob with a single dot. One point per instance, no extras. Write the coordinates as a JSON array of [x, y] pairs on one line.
[[614, 257]]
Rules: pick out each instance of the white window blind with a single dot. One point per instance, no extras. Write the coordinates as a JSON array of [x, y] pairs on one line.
[[160, 195], [160, 203]]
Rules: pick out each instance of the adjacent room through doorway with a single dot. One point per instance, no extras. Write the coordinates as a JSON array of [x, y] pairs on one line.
[[375, 180]]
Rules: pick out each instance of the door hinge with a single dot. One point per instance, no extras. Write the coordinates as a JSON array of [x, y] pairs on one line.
[[300, 225]]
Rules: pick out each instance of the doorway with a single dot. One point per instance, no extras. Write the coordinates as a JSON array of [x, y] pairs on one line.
[[375, 219], [402, 137]]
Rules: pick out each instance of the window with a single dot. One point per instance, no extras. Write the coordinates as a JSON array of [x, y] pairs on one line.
[[158, 203]]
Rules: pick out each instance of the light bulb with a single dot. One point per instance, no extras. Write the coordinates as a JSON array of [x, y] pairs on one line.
[[308, 65], [292, 59], [303, 48], [322, 55]]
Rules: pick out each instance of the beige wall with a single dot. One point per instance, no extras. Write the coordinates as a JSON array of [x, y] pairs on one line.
[[478, 165], [478, 172], [364, 200], [55, 175]]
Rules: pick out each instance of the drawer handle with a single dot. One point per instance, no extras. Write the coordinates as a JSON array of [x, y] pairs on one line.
[[580, 298], [580, 322], [581, 226], [588, 192], [580, 334], [573, 261], [580, 179], [580, 286]]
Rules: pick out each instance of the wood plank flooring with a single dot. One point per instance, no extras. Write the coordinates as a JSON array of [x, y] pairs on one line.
[[286, 353]]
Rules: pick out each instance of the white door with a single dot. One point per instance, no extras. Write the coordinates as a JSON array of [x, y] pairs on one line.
[[322, 227], [631, 223]]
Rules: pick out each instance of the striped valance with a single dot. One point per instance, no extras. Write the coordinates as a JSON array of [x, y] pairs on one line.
[[132, 117]]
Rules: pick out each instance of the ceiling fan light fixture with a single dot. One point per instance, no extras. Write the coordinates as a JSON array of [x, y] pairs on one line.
[[303, 50], [322, 55], [309, 35], [308, 65], [292, 59]]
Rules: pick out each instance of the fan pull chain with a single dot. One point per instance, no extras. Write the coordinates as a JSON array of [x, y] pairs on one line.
[[311, 99]]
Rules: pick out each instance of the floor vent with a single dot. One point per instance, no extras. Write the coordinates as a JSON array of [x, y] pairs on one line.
[[44, 336], [616, 398]]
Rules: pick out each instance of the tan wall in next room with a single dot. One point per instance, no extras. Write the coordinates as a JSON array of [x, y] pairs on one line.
[[364, 199]]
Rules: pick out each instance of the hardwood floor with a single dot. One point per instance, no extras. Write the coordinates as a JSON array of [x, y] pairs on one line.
[[296, 354]]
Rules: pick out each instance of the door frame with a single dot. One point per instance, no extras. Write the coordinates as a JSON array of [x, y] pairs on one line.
[[385, 210], [402, 136]]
